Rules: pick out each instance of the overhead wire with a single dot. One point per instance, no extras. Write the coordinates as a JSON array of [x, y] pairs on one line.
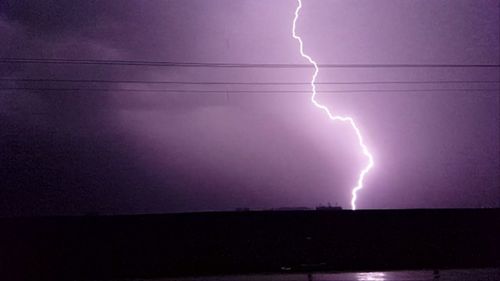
[[44, 80], [228, 65], [239, 91]]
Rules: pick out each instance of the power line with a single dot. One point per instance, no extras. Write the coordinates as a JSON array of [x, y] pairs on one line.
[[241, 83], [230, 65], [241, 91]]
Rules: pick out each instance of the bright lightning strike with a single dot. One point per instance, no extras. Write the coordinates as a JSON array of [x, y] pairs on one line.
[[348, 119]]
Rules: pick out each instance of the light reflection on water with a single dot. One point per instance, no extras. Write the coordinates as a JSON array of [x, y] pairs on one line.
[[371, 276], [489, 274]]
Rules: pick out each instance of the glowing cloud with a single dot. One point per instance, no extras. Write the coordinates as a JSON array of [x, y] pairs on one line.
[[333, 117]]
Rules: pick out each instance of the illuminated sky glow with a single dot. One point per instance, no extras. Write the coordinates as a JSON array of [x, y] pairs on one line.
[[78, 139]]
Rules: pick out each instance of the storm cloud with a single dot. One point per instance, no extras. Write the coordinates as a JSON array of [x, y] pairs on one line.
[[81, 151]]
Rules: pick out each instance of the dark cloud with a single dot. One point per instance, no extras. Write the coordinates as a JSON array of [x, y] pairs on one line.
[[52, 19]]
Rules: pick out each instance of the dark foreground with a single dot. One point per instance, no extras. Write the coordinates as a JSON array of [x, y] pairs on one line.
[[148, 246]]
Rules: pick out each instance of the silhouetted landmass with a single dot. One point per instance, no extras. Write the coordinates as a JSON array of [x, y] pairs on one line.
[[101, 247]]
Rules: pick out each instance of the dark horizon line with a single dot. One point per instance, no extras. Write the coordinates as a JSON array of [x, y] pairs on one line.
[[235, 210]]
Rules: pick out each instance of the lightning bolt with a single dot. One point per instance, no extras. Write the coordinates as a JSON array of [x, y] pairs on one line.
[[333, 117]]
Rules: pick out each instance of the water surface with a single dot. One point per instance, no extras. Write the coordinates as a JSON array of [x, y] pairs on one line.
[[491, 274]]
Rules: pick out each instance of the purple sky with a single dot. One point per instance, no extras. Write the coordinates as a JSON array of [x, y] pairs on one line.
[[71, 153]]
